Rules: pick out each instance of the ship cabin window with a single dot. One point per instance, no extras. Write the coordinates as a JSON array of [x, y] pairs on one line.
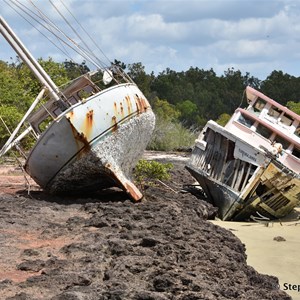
[[274, 112], [245, 120], [297, 131], [57, 111], [43, 125], [86, 92], [296, 152], [258, 106], [264, 131], [72, 100], [286, 120], [285, 144]]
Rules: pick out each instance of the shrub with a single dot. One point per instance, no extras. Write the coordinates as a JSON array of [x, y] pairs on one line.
[[223, 119], [169, 136], [147, 173]]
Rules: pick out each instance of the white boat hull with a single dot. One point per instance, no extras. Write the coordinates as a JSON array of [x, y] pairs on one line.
[[94, 144]]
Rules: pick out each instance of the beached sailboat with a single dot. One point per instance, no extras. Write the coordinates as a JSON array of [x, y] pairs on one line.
[[88, 136], [250, 168]]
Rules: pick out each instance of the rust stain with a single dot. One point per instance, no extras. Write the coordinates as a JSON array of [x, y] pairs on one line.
[[87, 147], [70, 115], [129, 105], [115, 109], [75, 134], [114, 123], [80, 140], [122, 110], [141, 104], [88, 124]]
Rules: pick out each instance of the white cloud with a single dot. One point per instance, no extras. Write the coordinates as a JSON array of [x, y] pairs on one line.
[[251, 35]]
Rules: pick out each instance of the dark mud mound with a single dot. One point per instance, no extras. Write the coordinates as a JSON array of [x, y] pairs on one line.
[[160, 248]]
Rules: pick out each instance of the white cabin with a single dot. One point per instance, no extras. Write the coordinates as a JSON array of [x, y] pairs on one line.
[[265, 123]]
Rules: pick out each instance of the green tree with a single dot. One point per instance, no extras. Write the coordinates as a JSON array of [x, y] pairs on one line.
[[169, 133], [12, 91], [188, 112], [137, 72], [164, 110], [119, 64], [8, 115], [281, 87], [74, 70], [31, 86], [294, 106]]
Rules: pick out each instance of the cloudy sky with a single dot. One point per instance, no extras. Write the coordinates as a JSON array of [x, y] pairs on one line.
[[256, 36]]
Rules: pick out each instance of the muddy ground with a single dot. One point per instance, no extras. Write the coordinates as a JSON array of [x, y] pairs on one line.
[[103, 246]]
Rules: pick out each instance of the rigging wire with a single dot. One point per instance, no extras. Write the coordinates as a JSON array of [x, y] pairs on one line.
[[62, 45], [62, 37], [18, 4], [83, 51], [76, 33], [45, 20], [86, 32]]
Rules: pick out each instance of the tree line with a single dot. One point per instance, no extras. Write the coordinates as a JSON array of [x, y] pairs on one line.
[[183, 101], [200, 95]]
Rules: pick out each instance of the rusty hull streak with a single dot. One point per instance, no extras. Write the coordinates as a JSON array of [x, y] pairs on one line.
[[118, 112], [114, 123], [128, 103], [122, 110], [115, 109], [70, 115], [81, 141], [141, 104], [88, 124]]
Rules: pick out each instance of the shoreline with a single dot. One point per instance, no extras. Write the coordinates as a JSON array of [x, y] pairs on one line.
[[278, 257]]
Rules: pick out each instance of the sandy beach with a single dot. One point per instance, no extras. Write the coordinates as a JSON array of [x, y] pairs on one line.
[[280, 256]]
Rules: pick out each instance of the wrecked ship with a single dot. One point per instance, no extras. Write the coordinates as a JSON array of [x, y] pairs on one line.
[[88, 135], [249, 168]]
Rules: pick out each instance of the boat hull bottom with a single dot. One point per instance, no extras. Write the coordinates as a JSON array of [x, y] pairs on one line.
[[224, 199], [109, 161], [273, 195]]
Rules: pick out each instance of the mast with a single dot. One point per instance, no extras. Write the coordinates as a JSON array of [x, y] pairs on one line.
[[31, 62]]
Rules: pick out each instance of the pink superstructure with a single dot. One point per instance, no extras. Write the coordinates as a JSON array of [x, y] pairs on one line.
[[267, 123]]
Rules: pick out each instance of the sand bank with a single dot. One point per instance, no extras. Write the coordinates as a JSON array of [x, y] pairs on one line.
[[279, 257]]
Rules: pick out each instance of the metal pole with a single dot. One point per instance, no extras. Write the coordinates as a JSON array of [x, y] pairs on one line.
[[31, 62]]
